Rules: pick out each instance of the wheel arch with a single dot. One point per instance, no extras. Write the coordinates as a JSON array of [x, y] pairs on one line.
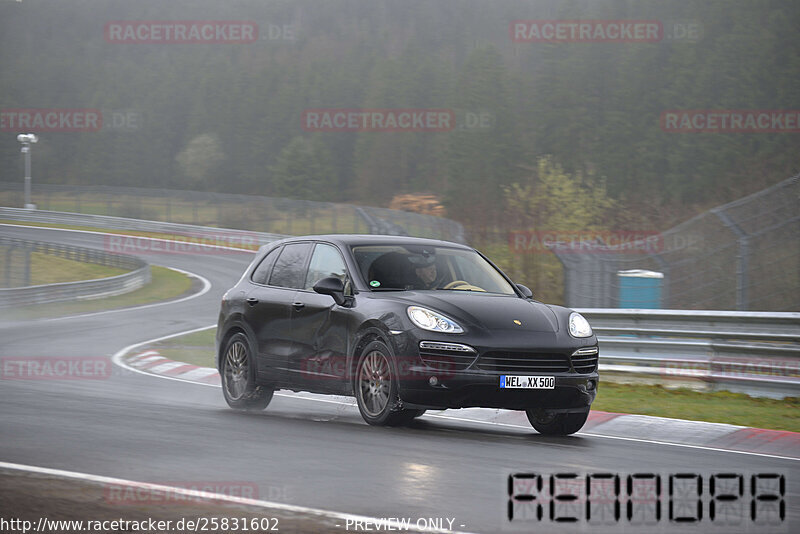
[[230, 329], [369, 331]]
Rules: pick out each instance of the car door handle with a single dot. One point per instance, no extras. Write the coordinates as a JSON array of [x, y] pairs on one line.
[[252, 301], [298, 305]]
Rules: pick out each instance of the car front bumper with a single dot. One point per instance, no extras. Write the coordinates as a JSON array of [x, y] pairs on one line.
[[464, 389], [424, 385]]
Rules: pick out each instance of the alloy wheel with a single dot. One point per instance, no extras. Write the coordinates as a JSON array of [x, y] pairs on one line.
[[374, 383], [236, 370]]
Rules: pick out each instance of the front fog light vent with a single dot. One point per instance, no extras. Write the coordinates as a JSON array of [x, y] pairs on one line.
[[584, 360], [446, 356], [436, 345]]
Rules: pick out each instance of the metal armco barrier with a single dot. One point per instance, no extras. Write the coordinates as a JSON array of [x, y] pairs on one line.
[[753, 352], [138, 276], [225, 210], [139, 225]]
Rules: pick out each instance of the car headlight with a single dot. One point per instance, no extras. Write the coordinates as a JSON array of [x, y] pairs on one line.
[[431, 320], [579, 326]]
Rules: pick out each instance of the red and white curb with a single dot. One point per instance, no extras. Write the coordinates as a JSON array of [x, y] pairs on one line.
[[152, 362], [642, 428], [717, 436]]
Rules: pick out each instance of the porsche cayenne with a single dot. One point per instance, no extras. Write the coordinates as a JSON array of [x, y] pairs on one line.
[[404, 325]]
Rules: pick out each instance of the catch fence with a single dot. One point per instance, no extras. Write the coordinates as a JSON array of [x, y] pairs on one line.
[[224, 210], [743, 256]]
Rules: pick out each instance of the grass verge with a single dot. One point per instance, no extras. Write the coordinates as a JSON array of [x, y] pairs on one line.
[[681, 403], [196, 348], [714, 407], [49, 269], [165, 284]]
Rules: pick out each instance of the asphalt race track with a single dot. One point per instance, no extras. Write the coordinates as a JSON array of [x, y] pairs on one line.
[[299, 451]]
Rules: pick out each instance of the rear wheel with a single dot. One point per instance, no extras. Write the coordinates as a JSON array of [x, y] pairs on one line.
[[556, 424], [238, 377], [376, 388]]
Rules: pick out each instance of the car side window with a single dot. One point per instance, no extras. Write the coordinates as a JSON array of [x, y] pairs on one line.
[[261, 273], [326, 261], [289, 270]]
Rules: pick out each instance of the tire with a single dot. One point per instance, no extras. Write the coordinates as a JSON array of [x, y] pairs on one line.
[[238, 377], [556, 424], [376, 388]]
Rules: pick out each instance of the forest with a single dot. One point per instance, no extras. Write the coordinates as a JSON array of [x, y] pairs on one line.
[[535, 123]]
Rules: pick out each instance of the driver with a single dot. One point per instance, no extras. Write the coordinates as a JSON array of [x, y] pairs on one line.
[[425, 270]]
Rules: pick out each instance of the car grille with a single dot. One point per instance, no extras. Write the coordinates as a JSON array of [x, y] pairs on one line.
[[523, 362], [584, 361], [446, 356]]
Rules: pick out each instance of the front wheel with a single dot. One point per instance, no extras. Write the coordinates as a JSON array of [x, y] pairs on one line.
[[238, 377], [556, 424], [376, 388]]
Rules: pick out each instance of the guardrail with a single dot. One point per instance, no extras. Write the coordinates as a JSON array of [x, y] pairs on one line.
[[753, 352], [138, 225], [264, 214], [138, 276]]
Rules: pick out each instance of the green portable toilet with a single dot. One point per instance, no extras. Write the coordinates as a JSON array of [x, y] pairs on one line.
[[639, 288]]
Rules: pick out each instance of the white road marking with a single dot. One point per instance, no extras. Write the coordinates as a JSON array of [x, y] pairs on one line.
[[197, 494], [118, 360]]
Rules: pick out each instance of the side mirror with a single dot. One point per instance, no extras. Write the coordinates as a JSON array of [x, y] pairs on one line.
[[525, 290], [331, 286]]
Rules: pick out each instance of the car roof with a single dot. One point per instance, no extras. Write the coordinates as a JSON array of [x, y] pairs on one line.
[[368, 239]]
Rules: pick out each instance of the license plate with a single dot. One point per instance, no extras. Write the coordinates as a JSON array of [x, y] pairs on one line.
[[527, 382]]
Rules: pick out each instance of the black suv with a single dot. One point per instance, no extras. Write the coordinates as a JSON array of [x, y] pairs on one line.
[[403, 324]]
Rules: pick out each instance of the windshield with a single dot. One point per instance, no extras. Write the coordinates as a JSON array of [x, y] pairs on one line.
[[394, 267]]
